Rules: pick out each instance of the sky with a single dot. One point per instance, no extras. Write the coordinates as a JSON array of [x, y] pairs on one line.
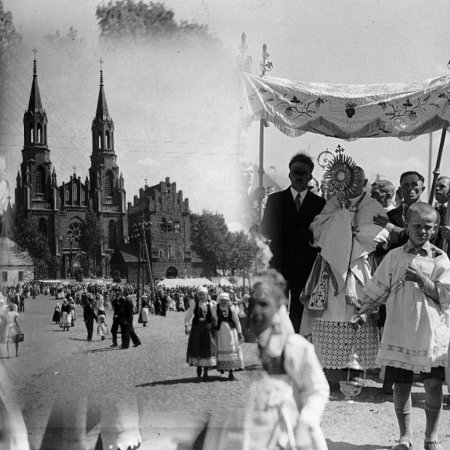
[[174, 106]]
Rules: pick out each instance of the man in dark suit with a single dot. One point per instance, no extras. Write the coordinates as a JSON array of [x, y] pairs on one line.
[[286, 220]]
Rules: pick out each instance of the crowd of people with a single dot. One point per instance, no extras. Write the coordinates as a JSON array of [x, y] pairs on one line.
[[369, 275]]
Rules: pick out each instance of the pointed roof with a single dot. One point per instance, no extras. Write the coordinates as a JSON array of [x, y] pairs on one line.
[[102, 107], [35, 103]]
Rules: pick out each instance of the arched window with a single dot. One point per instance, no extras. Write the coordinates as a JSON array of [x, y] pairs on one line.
[[170, 225], [176, 226], [171, 251], [109, 183], [163, 224], [99, 140], [112, 241], [67, 195], [161, 253], [31, 134], [39, 133], [40, 180], [75, 193], [42, 226], [108, 139]]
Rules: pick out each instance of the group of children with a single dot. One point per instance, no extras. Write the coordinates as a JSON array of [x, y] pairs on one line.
[[214, 335]]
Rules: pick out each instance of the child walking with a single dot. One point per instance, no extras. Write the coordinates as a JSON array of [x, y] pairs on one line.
[[102, 328], [414, 283]]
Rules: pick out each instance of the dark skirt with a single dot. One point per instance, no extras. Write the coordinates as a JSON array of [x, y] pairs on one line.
[[201, 349], [56, 316]]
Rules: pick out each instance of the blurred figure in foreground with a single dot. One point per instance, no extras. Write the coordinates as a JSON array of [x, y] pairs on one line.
[[288, 402]]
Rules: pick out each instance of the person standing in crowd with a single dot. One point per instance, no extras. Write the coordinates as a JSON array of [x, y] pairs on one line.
[[441, 197], [126, 323], [383, 192], [57, 313], [333, 291], [229, 335], [116, 304], [414, 282], [102, 328], [66, 316], [144, 310], [12, 328], [314, 187], [293, 393], [164, 304], [286, 220], [201, 349], [89, 316]]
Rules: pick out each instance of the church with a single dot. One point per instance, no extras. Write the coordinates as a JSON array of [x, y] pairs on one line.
[[61, 209]]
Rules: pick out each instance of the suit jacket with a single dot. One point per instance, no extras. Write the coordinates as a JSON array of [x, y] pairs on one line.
[[289, 234]]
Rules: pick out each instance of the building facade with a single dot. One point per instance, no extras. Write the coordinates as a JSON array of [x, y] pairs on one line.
[[60, 210], [163, 214]]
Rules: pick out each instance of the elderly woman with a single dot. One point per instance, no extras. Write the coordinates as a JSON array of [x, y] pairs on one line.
[[288, 402], [229, 333], [201, 349]]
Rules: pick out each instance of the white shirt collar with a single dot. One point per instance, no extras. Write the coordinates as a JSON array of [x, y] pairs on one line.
[[302, 194]]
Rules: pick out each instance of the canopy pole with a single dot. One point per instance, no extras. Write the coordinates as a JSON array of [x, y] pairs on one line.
[[436, 170], [265, 66]]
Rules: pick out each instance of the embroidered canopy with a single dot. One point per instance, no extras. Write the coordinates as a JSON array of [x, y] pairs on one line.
[[402, 110]]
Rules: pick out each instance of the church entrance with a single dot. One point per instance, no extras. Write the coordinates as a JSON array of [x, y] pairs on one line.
[[172, 272]]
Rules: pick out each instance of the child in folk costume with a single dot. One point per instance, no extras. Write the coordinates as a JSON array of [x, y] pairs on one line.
[[102, 328], [201, 349], [414, 283], [57, 314], [228, 335], [287, 403], [144, 310], [66, 316]]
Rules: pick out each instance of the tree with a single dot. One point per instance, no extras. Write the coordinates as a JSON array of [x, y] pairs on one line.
[[9, 37], [221, 249], [140, 21], [30, 238], [90, 242], [69, 42], [208, 236]]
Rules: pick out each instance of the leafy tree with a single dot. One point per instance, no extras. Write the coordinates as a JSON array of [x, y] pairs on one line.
[[90, 242], [208, 236], [140, 20], [221, 249], [29, 238], [9, 37]]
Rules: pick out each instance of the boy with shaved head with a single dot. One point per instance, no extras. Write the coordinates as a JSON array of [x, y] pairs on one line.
[[414, 282]]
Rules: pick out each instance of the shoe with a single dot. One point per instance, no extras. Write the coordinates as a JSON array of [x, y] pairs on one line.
[[113, 345], [231, 376], [402, 446], [135, 345], [199, 372], [432, 445], [103, 338], [205, 377], [122, 347]]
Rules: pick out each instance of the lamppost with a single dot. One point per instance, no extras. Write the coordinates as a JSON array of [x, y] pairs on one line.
[[139, 232]]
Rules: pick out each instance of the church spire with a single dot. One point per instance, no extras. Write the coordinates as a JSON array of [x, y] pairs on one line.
[[102, 107], [35, 103]]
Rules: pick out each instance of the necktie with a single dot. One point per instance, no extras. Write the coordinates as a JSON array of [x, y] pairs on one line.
[[298, 202]]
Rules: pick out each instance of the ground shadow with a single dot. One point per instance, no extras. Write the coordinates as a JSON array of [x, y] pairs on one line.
[[98, 350], [78, 339], [346, 446], [183, 381], [253, 367]]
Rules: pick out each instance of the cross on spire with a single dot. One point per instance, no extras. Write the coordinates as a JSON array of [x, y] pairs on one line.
[[35, 52], [74, 169], [146, 179], [101, 71]]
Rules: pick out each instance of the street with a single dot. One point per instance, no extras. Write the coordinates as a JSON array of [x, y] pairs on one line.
[[172, 403]]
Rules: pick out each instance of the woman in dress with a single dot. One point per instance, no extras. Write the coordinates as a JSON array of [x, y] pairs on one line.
[[12, 328], [229, 333], [288, 402], [144, 311], [57, 313], [201, 349], [66, 316]]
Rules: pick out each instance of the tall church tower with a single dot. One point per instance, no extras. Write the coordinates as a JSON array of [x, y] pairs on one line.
[[36, 188], [107, 188]]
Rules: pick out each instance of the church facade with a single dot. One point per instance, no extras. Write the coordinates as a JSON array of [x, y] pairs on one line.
[[60, 210]]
